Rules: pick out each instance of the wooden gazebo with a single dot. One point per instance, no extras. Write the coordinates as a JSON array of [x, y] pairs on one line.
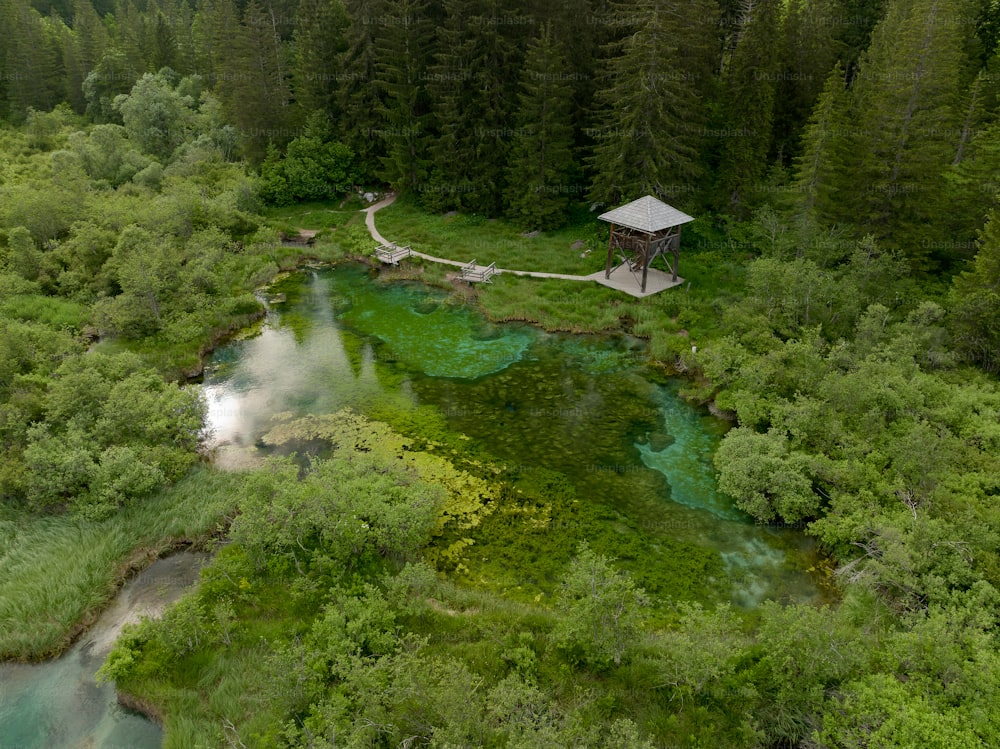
[[642, 231]]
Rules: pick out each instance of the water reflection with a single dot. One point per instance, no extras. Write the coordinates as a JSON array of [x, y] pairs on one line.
[[588, 408]]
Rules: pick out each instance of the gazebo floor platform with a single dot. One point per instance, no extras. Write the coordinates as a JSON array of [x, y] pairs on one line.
[[623, 279]]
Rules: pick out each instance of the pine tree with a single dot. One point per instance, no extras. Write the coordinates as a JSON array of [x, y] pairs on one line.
[[254, 84], [319, 43], [212, 31], [403, 49], [651, 117], [749, 96], [541, 161], [906, 98], [32, 76], [88, 42], [975, 302], [808, 52], [360, 101], [820, 177], [471, 90]]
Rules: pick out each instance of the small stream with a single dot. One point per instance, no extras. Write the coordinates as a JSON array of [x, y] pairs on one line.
[[59, 705]]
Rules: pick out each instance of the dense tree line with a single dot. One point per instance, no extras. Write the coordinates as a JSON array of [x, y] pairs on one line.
[[877, 117]]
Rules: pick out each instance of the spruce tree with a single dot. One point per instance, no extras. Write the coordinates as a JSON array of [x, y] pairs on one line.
[[749, 94], [650, 116], [906, 97], [403, 48], [975, 302], [821, 180], [319, 43], [254, 82], [471, 91], [538, 180], [808, 52], [359, 95], [85, 45], [32, 76], [213, 29]]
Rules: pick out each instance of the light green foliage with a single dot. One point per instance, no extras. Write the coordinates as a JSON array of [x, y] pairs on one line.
[[344, 514], [112, 431], [602, 610], [107, 155], [467, 498], [766, 478], [879, 710]]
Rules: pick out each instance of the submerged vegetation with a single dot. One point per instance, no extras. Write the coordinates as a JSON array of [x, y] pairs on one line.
[[840, 310]]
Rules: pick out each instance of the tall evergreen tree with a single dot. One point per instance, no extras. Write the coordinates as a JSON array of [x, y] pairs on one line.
[[906, 97], [82, 50], [254, 82], [651, 117], [471, 91], [403, 48], [360, 102], [538, 180], [749, 96], [30, 73], [820, 177], [212, 32], [975, 301], [320, 26], [808, 52]]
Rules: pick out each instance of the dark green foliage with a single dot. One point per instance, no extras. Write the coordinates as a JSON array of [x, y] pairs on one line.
[[975, 303], [906, 108], [540, 173], [404, 44], [748, 112], [471, 92], [651, 117]]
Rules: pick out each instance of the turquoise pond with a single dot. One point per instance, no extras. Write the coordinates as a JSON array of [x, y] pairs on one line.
[[584, 418]]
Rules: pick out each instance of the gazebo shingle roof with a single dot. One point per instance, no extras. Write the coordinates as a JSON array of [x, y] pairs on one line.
[[646, 214]]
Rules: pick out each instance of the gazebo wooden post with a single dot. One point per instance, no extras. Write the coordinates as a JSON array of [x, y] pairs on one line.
[[611, 249], [677, 251], [642, 230], [645, 262]]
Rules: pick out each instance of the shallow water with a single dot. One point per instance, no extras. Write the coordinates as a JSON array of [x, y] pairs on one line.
[[587, 409], [59, 705]]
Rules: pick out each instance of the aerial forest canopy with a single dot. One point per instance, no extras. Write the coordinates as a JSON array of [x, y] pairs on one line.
[[842, 160]]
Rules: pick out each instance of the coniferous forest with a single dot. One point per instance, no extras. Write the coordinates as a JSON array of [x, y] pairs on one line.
[[842, 161]]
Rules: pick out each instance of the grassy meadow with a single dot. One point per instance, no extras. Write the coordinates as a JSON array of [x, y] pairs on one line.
[[59, 571]]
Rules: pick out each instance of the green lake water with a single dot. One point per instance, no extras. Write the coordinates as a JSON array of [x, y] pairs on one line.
[[583, 425]]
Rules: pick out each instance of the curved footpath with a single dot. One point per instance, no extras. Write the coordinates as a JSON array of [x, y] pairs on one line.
[[370, 223], [621, 277]]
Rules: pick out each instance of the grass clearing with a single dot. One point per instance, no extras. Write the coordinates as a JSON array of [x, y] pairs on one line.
[[60, 571], [574, 249]]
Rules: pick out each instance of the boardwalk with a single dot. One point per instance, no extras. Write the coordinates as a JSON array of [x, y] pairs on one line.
[[621, 278]]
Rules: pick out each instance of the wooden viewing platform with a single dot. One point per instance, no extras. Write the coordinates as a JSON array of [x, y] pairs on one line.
[[472, 272], [391, 254], [622, 278]]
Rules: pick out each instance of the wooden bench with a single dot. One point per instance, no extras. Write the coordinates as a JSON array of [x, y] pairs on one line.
[[473, 273], [392, 254]]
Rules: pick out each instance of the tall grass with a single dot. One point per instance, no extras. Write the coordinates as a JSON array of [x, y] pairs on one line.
[[58, 572]]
